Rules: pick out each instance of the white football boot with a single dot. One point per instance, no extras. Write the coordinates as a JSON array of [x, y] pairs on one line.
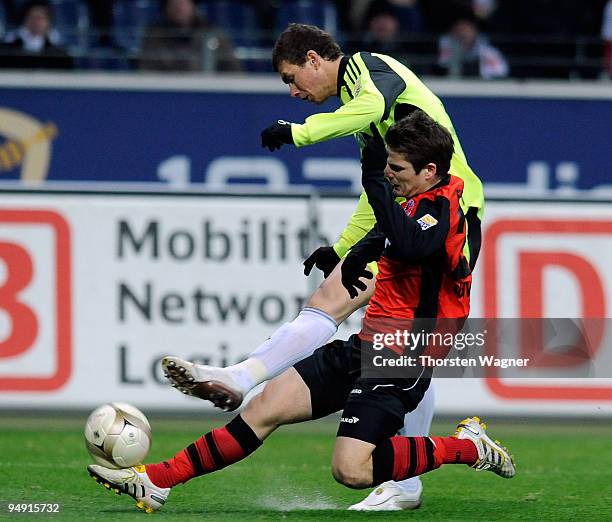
[[205, 382], [492, 456], [390, 497], [133, 481]]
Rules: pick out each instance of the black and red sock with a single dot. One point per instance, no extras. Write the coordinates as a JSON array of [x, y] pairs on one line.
[[451, 450], [399, 458], [215, 450]]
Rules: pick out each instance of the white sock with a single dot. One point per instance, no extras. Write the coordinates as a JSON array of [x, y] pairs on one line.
[[291, 343], [417, 423]]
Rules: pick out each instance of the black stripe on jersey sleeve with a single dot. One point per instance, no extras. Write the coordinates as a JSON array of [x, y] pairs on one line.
[[349, 75], [341, 72], [387, 81], [350, 69]]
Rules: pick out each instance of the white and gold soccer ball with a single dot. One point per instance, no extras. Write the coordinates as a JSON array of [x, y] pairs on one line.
[[117, 435]]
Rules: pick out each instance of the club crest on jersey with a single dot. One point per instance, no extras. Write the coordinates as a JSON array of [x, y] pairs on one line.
[[427, 221], [357, 87], [409, 209]]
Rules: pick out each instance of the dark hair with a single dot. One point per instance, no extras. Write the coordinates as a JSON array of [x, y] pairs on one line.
[[422, 140], [295, 41]]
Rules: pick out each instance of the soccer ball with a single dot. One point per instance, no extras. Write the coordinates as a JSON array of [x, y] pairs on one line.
[[117, 435]]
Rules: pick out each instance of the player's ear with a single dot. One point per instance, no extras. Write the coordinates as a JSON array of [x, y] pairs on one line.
[[431, 169], [313, 57]]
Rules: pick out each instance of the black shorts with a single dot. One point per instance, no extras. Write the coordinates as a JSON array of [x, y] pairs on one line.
[[373, 409]]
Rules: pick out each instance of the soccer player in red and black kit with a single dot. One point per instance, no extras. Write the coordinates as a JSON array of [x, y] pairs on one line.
[[422, 274]]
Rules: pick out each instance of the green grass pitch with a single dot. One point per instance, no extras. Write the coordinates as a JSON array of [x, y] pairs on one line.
[[564, 473]]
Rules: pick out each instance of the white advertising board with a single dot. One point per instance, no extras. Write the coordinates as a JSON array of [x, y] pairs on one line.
[[96, 288]]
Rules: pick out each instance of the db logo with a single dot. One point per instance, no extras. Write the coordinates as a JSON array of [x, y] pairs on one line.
[[35, 300], [551, 269]]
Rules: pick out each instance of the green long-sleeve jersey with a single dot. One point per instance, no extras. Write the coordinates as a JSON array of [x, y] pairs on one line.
[[375, 88]]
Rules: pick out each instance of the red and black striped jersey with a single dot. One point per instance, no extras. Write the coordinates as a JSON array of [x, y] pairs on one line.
[[422, 270]]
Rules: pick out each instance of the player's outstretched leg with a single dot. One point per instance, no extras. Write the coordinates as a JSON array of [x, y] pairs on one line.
[[408, 493], [292, 342], [226, 387], [150, 484], [285, 400]]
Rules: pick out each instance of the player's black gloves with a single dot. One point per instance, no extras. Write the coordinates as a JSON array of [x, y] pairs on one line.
[[373, 158], [353, 268], [325, 259], [277, 134]]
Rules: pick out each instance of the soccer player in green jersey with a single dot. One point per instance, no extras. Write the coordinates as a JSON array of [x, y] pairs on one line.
[[374, 90]]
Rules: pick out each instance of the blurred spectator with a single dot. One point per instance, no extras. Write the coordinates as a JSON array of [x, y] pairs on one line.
[[35, 44], [465, 52], [606, 35], [385, 26], [101, 21], [382, 28], [484, 9], [184, 41]]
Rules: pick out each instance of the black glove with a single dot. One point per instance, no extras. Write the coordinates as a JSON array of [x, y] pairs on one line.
[[353, 269], [325, 258], [274, 136], [373, 158]]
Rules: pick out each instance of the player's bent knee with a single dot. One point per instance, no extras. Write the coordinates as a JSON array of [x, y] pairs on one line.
[[351, 475]]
